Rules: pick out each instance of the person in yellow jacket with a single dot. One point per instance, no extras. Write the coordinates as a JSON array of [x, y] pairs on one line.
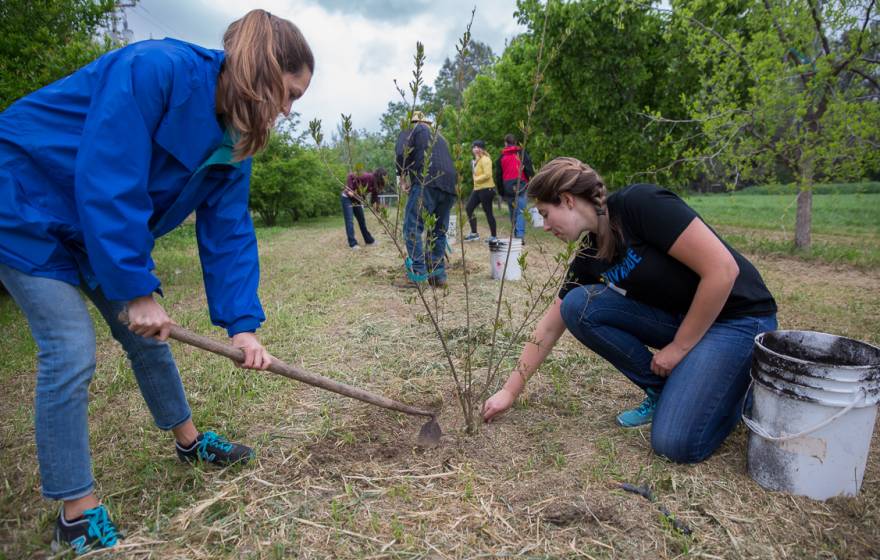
[[484, 191]]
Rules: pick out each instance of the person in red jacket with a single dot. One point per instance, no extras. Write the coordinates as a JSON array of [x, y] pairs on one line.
[[513, 169]]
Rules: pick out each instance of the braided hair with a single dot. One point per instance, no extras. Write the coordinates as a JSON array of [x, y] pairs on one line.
[[566, 174]]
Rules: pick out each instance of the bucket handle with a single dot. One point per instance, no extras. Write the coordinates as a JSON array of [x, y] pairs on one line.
[[761, 431]]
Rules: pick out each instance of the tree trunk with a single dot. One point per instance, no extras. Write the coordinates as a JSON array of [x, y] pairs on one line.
[[803, 221]]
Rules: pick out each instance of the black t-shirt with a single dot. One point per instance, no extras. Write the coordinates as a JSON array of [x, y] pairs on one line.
[[651, 220]]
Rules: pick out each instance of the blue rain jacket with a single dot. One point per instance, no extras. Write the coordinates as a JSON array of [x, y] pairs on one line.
[[98, 165]]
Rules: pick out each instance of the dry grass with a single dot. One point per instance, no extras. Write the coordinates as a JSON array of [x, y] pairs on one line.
[[337, 478]]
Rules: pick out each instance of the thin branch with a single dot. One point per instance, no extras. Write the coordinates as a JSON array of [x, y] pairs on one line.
[[814, 13], [866, 77], [858, 51]]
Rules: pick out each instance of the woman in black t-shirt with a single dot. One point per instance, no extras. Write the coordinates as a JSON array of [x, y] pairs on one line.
[[650, 273]]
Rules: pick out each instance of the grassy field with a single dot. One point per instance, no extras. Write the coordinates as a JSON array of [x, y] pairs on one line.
[[336, 478], [846, 226]]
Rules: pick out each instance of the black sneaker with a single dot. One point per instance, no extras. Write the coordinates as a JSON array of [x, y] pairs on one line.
[[91, 531], [215, 449]]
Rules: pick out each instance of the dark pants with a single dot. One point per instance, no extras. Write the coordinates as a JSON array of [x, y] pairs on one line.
[[701, 400], [358, 211], [481, 197]]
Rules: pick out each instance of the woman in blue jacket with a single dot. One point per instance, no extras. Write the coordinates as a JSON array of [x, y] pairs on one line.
[[94, 168]]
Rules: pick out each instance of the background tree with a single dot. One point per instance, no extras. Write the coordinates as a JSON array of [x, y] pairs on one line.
[[791, 85], [614, 62], [395, 117], [456, 74], [41, 42], [289, 178]]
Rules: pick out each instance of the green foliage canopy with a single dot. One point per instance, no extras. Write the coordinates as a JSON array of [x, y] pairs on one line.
[[41, 42], [608, 65], [289, 178], [786, 87]]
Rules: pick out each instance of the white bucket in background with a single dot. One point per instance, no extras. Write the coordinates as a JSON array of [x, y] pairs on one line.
[[498, 256], [537, 218], [452, 230], [813, 412]]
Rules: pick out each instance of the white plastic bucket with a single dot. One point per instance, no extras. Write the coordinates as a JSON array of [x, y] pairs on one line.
[[537, 218], [815, 403], [452, 230], [498, 256]]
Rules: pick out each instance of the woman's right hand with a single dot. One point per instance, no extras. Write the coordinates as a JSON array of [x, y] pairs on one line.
[[147, 318], [497, 404]]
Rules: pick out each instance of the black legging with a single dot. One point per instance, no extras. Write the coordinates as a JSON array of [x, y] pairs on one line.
[[482, 197]]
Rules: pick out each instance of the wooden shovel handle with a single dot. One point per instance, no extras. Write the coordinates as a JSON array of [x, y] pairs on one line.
[[277, 366]]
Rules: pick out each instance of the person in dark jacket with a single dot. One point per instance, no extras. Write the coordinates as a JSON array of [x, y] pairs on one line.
[[431, 190], [94, 168], [649, 274], [358, 187], [513, 169]]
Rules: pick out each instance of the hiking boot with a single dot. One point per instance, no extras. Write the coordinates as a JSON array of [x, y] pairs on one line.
[[355, 247], [642, 414], [491, 239], [472, 237], [91, 531], [215, 449]]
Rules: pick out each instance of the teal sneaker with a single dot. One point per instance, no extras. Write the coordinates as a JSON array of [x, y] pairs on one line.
[[91, 531], [642, 414], [215, 449]]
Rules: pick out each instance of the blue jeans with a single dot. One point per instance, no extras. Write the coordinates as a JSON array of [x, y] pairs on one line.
[[349, 209], [701, 400], [517, 208], [436, 203], [62, 328]]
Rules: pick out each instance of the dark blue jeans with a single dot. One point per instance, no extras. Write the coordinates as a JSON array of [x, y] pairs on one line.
[[701, 400], [436, 203], [349, 209], [516, 205]]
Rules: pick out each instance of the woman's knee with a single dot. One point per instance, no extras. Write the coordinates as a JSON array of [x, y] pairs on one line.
[[572, 307], [580, 306], [679, 446]]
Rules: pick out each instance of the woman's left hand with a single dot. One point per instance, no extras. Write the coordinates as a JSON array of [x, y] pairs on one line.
[[255, 356], [666, 359]]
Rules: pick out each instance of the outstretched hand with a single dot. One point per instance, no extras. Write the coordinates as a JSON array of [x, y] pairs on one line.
[[255, 355], [497, 404]]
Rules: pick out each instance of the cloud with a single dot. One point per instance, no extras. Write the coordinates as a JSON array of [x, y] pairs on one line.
[[378, 10], [360, 46]]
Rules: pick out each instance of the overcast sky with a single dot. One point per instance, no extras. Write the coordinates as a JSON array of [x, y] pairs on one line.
[[360, 46]]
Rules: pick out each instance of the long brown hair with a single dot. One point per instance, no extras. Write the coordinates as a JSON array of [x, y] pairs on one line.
[[260, 48], [565, 174]]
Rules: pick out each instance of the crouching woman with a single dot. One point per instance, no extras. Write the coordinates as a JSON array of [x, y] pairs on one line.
[[649, 273]]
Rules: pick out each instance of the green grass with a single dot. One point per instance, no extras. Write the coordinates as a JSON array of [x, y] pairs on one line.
[[845, 225], [348, 471], [833, 214], [824, 188]]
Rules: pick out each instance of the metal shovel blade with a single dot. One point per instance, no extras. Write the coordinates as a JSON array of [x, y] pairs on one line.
[[429, 435]]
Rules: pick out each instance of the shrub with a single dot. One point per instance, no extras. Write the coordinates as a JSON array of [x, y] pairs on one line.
[[290, 178]]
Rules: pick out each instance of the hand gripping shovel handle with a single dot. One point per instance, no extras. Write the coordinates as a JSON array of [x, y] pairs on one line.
[[277, 366]]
